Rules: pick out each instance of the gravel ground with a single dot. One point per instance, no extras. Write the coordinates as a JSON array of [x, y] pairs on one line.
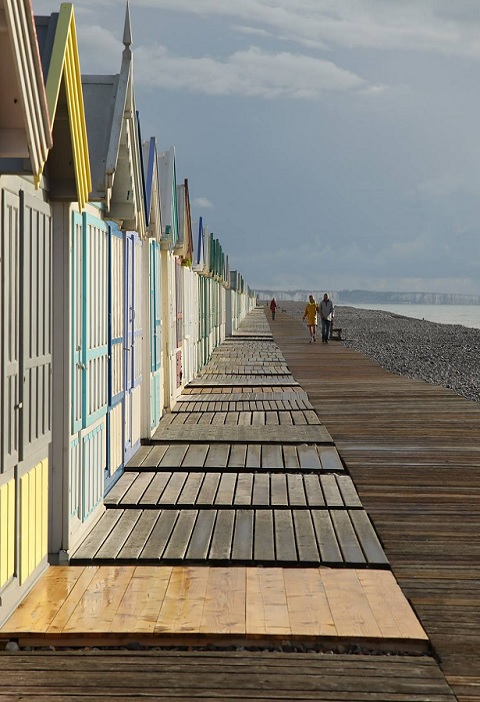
[[442, 354]]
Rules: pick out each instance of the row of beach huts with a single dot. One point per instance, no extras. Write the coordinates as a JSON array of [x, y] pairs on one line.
[[111, 298]]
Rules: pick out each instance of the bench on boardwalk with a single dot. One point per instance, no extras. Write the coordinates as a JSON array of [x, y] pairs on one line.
[[336, 334]]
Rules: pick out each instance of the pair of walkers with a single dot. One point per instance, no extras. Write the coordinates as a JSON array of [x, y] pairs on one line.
[[326, 316]]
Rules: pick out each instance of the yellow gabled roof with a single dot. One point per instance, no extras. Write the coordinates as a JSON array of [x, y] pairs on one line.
[[64, 65]]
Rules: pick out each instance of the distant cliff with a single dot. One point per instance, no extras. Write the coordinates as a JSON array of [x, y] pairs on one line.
[[346, 297]]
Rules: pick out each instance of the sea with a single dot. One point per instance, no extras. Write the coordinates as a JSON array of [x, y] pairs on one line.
[[466, 315]]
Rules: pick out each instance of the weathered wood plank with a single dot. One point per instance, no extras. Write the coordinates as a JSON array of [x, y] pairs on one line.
[[240, 434]]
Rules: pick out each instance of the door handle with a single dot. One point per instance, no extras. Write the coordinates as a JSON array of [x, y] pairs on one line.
[[19, 406]]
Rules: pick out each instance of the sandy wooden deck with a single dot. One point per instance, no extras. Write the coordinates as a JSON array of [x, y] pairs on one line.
[[159, 605]]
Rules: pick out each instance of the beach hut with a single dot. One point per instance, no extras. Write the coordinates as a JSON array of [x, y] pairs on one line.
[[43, 149], [184, 251], [119, 195], [172, 281], [153, 407]]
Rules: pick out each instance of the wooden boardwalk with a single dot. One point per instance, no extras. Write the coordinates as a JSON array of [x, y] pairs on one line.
[[239, 525], [413, 452], [185, 676]]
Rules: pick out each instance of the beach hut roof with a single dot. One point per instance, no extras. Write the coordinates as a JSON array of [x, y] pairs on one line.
[[25, 131], [152, 189], [68, 163], [168, 197], [113, 135], [184, 247]]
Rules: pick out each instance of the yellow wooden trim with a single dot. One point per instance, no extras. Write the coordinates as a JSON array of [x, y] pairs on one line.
[[65, 64], [33, 518], [7, 531]]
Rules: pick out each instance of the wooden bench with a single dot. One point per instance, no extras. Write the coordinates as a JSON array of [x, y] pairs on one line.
[[336, 334]]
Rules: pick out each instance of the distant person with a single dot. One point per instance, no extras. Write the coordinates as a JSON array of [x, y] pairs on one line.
[[326, 316], [310, 315], [273, 308]]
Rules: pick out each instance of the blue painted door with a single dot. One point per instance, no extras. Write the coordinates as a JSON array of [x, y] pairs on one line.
[[89, 299], [116, 373]]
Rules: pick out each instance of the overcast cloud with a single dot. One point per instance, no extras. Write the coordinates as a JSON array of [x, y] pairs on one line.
[[328, 143]]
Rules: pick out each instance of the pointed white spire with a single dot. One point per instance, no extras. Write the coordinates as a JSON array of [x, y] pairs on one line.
[[127, 32]]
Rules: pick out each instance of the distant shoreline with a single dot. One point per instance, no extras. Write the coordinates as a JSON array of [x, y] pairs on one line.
[[367, 297]]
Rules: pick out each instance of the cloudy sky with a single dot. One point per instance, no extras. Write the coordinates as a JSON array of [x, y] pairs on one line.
[[328, 144]]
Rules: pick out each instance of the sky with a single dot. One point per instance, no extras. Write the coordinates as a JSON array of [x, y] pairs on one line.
[[328, 144]]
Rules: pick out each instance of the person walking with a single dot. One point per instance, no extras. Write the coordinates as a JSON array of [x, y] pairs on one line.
[[326, 316], [273, 308], [310, 315]]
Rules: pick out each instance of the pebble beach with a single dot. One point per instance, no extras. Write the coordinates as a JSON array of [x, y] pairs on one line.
[[442, 354]]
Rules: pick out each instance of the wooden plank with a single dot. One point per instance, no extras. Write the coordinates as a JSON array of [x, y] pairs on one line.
[[326, 538], [272, 458], [118, 535], [182, 605], [154, 491], [243, 493], [264, 540], [279, 495], [371, 546], [290, 457], [313, 491], [97, 535], [349, 606], [49, 595], [195, 456], [253, 458], [242, 546], [333, 498], [209, 488], [138, 537], [305, 537], [101, 599], [173, 489], [266, 602], [347, 539], [238, 456], [139, 457], [202, 534], [191, 489], [224, 602], [308, 457], [296, 490], [115, 495], [181, 534], [173, 457], [158, 539], [330, 459], [217, 457], [138, 611], [308, 609], [285, 547], [349, 493], [226, 489], [261, 489], [155, 456], [221, 545], [138, 487]]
